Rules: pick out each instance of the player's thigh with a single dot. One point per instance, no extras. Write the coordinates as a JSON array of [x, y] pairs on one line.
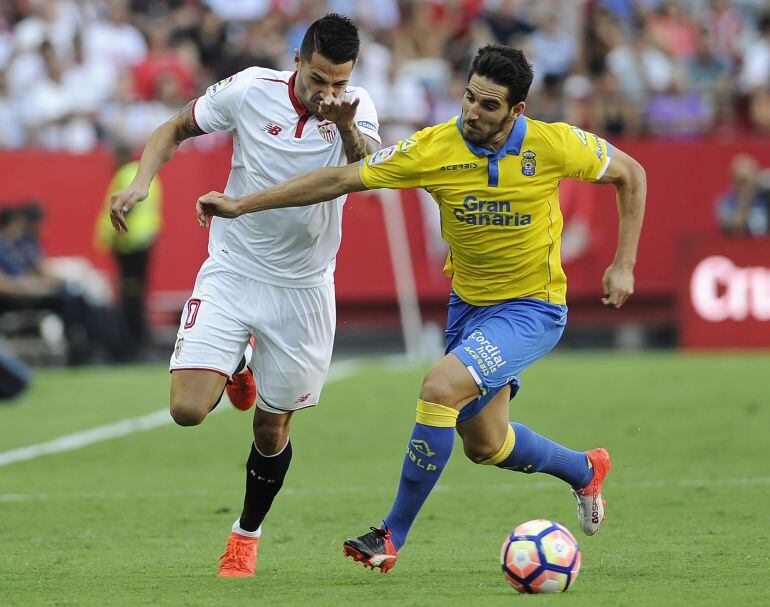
[[213, 330], [484, 433], [498, 349], [294, 337], [194, 392], [449, 383]]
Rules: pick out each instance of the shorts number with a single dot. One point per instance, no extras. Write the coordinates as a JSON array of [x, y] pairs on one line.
[[193, 305]]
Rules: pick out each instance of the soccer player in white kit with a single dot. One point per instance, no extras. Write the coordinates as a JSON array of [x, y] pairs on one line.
[[270, 278]]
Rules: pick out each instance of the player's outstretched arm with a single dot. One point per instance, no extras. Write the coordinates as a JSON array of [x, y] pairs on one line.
[[630, 180], [160, 148], [316, 186]]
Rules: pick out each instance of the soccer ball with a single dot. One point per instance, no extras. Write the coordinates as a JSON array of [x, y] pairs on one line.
[[540, 556]]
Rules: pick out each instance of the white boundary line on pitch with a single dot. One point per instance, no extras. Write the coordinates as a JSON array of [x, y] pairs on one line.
[[496, 488], [338, 371]]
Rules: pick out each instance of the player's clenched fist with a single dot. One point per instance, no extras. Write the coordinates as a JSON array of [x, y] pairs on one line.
[[121, 203], [215, 204], [618, 285]]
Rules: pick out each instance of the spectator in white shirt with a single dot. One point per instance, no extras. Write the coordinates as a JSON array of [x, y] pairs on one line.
[[756, 59], [551, 49], [11, 129], [59, 115], [115, 40]]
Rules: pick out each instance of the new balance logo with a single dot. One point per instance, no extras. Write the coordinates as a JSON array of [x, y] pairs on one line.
[[272, 129], [302, 398]]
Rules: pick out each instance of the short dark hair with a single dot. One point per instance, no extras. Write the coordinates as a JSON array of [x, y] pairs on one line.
[[505, 66], [7, 215], [764, 23], [32, 211], [333, 36]]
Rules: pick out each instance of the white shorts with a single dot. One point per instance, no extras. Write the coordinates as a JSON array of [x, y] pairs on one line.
[[293, 330]]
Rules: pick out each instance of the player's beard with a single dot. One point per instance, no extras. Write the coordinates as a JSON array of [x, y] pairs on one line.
[[313, 104], [482, 137]]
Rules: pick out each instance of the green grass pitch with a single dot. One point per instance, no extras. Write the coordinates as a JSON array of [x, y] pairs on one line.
[[141, 520]]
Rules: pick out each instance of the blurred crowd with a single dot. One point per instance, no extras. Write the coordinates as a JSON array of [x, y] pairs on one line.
[[77, 73], [744, 210], [64, 300]]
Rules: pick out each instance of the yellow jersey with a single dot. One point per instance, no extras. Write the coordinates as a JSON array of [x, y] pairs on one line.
[[144, 220], [500, 211]]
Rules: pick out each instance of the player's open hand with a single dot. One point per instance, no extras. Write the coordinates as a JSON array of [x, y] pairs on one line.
[[340, 111], [618, 285], [215, 204], [121, 203]]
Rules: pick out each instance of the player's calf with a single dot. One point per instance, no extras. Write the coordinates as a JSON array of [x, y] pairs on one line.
[[266, 467], [271, 431]]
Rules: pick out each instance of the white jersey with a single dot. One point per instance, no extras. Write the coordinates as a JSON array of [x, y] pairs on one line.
[[274, 139]]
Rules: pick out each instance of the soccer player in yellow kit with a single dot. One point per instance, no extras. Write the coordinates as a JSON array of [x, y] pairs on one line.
[[495, 176]]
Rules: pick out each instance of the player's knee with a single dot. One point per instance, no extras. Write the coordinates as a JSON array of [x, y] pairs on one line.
[[186, 413], [270, 439], [436, 389], [479, 453]]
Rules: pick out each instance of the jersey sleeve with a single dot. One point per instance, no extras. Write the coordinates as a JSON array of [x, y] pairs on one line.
[[366, 116], [586, 156], [396, 167], [217, 108]]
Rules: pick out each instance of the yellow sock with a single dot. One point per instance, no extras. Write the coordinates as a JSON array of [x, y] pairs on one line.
[[438, 416]]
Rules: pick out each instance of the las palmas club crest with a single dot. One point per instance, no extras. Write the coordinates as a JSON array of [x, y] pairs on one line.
[[328, 131]]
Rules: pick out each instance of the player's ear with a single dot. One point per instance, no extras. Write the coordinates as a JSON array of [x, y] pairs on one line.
[[518, 109], [297, 60]]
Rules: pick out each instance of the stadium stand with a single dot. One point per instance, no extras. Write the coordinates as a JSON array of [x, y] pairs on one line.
[[77, 74]]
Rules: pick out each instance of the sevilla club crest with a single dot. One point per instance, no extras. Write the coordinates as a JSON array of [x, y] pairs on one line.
[[328, 131]]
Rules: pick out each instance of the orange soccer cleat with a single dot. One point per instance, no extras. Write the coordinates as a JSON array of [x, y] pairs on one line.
[[242, 392], [590, 504], [240, 557]]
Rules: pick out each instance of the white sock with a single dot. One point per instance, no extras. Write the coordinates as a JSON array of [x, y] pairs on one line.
[[236, 528]]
